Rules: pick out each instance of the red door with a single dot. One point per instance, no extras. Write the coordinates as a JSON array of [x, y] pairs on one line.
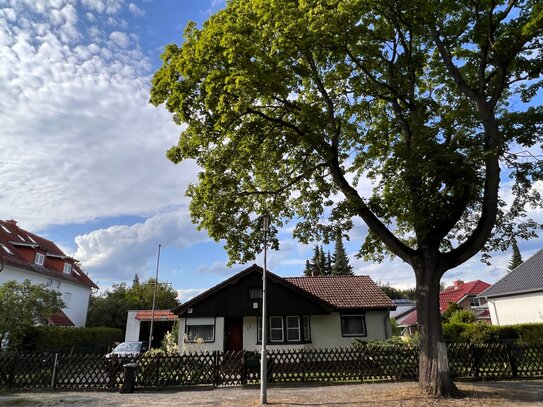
[[233, 334]]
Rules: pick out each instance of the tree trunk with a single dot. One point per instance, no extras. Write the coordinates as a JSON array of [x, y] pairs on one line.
[[434, 374]]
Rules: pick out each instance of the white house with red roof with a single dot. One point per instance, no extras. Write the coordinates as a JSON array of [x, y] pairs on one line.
[[460, 293], [317, 311], [25, 255]]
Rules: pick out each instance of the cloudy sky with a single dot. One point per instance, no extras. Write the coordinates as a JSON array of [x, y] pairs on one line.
[[82, 153]]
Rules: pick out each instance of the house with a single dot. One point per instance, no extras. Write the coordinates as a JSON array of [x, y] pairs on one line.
[[518, 297], [460, 293], [319, 311], [138, 325], [24, 255]]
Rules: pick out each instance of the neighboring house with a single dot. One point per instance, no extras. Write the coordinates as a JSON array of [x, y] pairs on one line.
[[24, 255], [460, 293], [404, 306], [138, 325], [518, 297], [302, 312]]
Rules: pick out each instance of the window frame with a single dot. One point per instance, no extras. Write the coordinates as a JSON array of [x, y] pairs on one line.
[[69, 267], [212, 339], [255, 293], [304, 323], [282, 329], [362, 317], [40, 256], [306, 318], [290, 329], [471, 300]]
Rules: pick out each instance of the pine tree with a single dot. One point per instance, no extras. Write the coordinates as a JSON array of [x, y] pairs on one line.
[[328, 264], [341, 261], [308, 271], [516, 259]]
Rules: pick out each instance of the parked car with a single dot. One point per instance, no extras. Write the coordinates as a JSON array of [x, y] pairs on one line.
[[128, 349]]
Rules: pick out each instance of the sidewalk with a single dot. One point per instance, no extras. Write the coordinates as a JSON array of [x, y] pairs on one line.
[[495, 394]]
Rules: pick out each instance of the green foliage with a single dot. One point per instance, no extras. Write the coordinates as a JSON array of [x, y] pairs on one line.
[[464, 316], [22, 305], [516, 258], [340, 260], [110, 308], [483, 333], [58, 338], [319, 265], [397, 293], [452, 307]]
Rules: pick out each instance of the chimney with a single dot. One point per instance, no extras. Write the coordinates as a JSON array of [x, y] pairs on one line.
[[11, 222], [457, 283]]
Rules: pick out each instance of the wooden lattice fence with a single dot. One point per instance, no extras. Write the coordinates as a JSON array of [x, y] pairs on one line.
[[35, 371]]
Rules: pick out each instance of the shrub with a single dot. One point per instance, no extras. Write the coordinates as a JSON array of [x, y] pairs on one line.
[[483, 333], [57, 339]]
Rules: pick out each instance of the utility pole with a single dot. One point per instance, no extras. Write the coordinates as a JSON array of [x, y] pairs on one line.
[[263, 358], [154, 299]]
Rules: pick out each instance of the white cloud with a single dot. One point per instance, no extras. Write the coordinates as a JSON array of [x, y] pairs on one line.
[[78, 134], [119, 252], [135, 10], [120, 39], [188, 294]]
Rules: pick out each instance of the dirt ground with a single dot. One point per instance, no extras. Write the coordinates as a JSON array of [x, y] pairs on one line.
[[494, 394]]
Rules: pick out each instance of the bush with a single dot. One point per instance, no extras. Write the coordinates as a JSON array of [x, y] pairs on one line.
[[483, 333], [58, 339]]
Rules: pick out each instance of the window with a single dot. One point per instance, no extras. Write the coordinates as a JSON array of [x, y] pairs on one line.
[[22, 238], [255, 293], [39, 259], [293, 329], [475, 302], [6, 249], [67, 268], [205, 332], [285, 329], [5, 228], [30, 238], [52, 284], [67, 298], [353, 325], [307, 330], [276, 329]]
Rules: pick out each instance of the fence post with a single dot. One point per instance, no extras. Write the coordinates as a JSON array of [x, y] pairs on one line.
[[512, 360], [54, 374], [216, 377]]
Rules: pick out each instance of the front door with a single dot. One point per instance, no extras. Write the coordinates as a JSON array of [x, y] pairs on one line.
[[233, 334]]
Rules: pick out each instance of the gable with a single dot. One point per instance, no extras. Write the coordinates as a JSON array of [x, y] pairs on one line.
[[528, 277], [231, 298]]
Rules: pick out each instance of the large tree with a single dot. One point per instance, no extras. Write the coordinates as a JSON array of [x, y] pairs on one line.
[[23, 305], [292, 108], [110, 308]]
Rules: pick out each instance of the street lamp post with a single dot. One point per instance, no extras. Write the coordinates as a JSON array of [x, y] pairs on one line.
[[154, 299], [263, 358]]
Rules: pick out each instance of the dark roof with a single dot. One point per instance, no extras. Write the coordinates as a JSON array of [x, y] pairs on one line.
[[527, 277], [345, 292], [17, 240], [156, 315], [335, 293]]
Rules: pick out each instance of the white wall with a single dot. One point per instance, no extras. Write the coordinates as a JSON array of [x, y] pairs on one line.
[[518, 309], [217, 344], [132, 327], [79, 303]]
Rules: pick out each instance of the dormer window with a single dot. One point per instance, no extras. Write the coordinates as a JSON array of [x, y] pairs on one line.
[[39, 259], [67, 268], [6, 249]]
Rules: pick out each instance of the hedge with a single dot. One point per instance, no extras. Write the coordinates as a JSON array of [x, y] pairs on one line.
[[484, 333], [62, 339]]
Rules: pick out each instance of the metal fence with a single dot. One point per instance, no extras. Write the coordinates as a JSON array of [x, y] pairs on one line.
[[57, 371]]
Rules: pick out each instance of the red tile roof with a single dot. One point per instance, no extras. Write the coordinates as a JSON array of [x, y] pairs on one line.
[[344, 292], [450, 294], [60, 319], [157, 315], [19, 242]]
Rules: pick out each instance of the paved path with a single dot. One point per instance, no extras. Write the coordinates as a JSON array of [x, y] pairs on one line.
[[494, 394]]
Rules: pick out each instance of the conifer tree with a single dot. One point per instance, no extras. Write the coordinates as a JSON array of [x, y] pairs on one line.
[[516, 259], [341, 261]]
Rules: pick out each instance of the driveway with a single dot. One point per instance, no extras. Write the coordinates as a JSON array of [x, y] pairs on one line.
[[495, 394]]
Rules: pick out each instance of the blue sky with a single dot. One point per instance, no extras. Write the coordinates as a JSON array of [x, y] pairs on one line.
[[82, 156]]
